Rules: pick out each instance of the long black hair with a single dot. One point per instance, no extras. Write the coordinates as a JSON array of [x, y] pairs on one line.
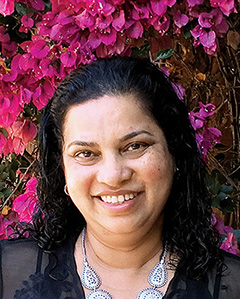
[[187, 229]]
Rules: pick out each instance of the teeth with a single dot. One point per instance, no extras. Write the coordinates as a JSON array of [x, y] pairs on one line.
[[118, 199]]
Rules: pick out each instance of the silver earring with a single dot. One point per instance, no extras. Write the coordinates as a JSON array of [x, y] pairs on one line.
[[66, 190]]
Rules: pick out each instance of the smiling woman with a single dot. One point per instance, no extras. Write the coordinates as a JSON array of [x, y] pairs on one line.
[[124, 210]]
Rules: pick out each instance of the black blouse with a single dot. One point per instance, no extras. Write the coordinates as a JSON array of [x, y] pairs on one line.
[[28, 272]]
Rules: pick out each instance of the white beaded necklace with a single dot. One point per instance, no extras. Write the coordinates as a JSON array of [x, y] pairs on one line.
[[157, 278]]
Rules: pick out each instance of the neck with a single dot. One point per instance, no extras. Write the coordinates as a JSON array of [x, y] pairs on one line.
[[129, 250]]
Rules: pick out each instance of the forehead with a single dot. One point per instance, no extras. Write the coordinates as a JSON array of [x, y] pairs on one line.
[[106, 119]]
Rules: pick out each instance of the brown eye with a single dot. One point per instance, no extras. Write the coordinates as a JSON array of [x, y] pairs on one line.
[[84, 154], [136, 146]]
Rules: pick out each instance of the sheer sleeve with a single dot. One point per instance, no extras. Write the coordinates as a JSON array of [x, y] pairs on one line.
[[27, 272]]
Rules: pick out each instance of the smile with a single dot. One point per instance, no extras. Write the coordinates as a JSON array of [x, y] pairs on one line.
[[117, 199]]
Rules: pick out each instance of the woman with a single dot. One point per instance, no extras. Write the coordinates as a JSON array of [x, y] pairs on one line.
[[124, 210]]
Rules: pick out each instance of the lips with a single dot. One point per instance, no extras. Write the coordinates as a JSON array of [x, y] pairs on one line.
[[117, 199]]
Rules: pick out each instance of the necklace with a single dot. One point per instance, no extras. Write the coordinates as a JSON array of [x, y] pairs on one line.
[[157, 278]]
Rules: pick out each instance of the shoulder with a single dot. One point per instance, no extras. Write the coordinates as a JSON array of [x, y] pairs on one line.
[[18, 247], [230, 276]]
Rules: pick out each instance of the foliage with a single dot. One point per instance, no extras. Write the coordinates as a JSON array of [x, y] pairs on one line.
[[195, 42]]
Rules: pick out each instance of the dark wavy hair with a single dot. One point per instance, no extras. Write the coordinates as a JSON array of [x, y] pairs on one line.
[[187, 229]]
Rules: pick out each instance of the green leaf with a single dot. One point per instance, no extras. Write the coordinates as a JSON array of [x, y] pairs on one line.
[[222, 196], [227, 206], [4, 132], [164, 54], [2, 185], [3, 176], [2, 167], [21, 8], [227, 189], [187, 34], [237, 234], [216, 202], [6, 192]]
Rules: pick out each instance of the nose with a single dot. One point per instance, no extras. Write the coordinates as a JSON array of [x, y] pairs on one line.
[[114, 171]]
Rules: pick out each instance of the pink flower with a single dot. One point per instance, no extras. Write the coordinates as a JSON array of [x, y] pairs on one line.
[[68, 58], [25, 204], [118, 20], [6, 7], [230, 244], [85, 20], [37, 4], [226, 6], [195, 2], [207, 20], [20, 133], [180, 19], [3, 141], [39, 49], [27, 23], [197, 121], [208, 39], [219, 226], [159, 7], [161, 24], [43, 94], [135, 30], [206, 110]]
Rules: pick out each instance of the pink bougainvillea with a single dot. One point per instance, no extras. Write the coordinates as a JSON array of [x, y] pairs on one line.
[[25, 204], [206, 136]]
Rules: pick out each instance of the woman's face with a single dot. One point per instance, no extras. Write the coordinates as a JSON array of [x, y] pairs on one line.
[[117, 165]]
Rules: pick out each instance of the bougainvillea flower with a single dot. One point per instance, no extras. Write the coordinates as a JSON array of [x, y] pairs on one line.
[[136, 30], [37, 4], [85, 20], [4, 37], [3, 141], [27, 23], [221, 28], [68, 58], [206, 110], [4, 104], [220, 226], [118, 20], [161, 24], [158, 7], [25, 204], [226, 6], [39, 49], [65, 17], [197, 31], [195, 2], [9, 77], [9, 49], [230, 244], [24, 130], [5, 227], [6, 7], [212, 135], [197, 121], [180, 19], [208, 39], [42, 94], [207, 20]]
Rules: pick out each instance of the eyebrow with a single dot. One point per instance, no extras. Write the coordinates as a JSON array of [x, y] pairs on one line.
[[124, 138], [134, 134]]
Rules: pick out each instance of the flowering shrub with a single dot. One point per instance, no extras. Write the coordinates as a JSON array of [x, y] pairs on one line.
[[42, 41]]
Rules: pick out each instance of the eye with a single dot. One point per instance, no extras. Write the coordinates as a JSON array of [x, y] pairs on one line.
[[85, 155], [135, 147]]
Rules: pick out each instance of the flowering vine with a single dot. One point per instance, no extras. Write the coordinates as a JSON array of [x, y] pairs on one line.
[[59, 35]]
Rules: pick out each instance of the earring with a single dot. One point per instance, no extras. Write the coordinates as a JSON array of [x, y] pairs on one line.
[[66, 190]]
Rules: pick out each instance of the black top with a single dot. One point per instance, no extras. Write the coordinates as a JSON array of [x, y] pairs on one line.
[[28, 272]]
